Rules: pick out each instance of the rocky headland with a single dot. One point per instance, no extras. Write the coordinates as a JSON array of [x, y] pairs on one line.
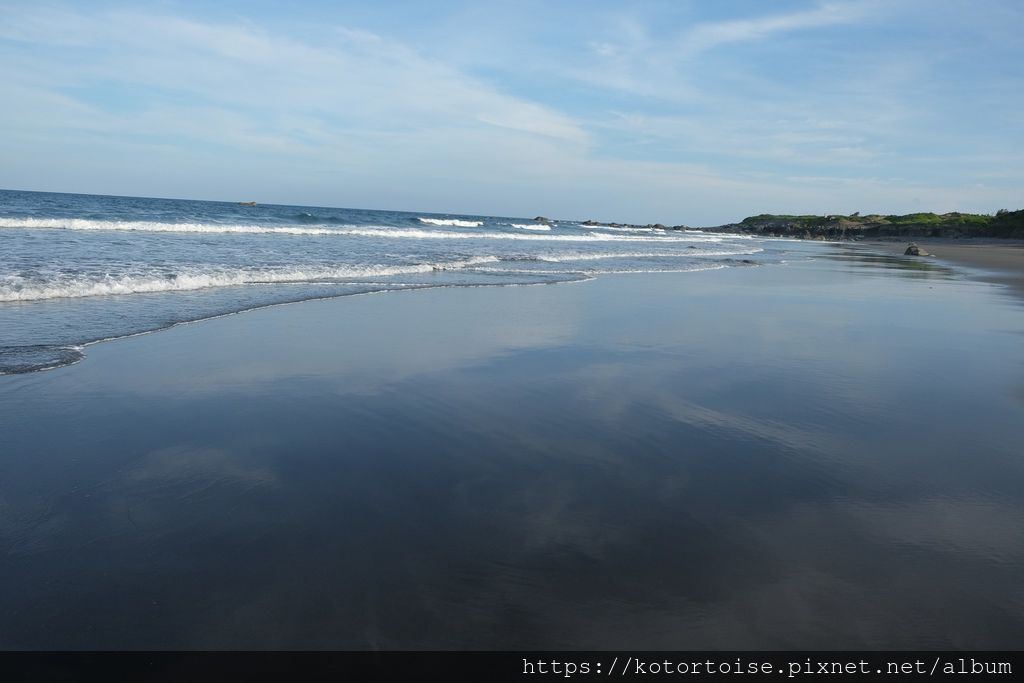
[[1003, 224]]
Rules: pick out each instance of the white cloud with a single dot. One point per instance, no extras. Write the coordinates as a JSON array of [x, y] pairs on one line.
[[713, 34], [139, 103], [358, 78]]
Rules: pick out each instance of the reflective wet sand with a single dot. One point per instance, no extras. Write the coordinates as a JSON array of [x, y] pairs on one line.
[[813, 455]]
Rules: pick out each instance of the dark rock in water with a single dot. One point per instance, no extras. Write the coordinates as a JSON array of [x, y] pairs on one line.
[[541, 219], [914, 250], [659, 226]]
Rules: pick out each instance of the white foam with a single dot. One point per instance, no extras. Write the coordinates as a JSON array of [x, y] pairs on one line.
[[451, 221], [415, 233], [639, 271], [610, 271], [153, 226], [689, 253], [15, 289], [531, 226], [620, 228], [562, 258], [340, 231]]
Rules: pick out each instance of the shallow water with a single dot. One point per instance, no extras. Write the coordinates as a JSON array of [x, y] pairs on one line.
[[76, 269], [822, 454]]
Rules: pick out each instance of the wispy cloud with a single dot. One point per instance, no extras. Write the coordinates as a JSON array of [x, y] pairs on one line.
[[351, 77], [668, 113], [636, 58], [710, 35]]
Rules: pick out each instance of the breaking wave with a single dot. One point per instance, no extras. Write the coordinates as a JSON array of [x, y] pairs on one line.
[[83, 268], [339, 231], [621, 228], [144, 283], [455, 222], [414, 233], [153, 226]]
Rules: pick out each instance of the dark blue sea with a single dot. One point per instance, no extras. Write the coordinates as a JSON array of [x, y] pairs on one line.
[[76, 269]]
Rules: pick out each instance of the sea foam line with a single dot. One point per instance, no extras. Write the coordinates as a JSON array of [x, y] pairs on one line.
[[340, 231], [620, 228], [414, 233], [689, 253], [153, 283], [154, 226], [607, 271], [451, 221]]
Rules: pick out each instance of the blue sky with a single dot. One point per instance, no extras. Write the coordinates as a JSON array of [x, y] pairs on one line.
[[676, 112]]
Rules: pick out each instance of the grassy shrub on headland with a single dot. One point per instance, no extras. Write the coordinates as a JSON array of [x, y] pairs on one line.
[[1005, 224]]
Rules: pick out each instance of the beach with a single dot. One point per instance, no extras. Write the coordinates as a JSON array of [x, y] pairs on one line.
[[820, 453], [399, 341], [998, 261]]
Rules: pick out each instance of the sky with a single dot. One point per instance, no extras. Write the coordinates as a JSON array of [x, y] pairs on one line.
[[669, 111]]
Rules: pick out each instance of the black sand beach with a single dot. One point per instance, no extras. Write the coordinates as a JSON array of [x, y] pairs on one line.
[[820, 454], [999, 261]]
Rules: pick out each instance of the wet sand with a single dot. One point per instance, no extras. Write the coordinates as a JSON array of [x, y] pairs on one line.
[[998, 261], [821, 454]]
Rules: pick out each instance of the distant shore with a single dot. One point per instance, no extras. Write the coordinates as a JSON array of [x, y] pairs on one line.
[[1001, 225]]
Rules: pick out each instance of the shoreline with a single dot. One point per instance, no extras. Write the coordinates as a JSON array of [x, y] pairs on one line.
[[533, 467], [991, 260], [995, 261]]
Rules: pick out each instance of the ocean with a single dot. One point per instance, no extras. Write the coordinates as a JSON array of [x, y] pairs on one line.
[[77, 269]]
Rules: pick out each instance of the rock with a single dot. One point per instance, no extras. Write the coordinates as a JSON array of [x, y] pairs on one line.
[[541, 219], [659, 226], [914, 250]]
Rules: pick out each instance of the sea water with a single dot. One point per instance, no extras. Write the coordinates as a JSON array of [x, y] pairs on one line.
[[76, 269]]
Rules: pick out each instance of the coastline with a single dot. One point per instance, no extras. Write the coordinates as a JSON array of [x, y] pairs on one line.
[[730, 458]]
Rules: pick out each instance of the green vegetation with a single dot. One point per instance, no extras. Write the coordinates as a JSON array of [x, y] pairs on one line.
[[1008, 221], [1003, 224], [915, 219], [767, 217]]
